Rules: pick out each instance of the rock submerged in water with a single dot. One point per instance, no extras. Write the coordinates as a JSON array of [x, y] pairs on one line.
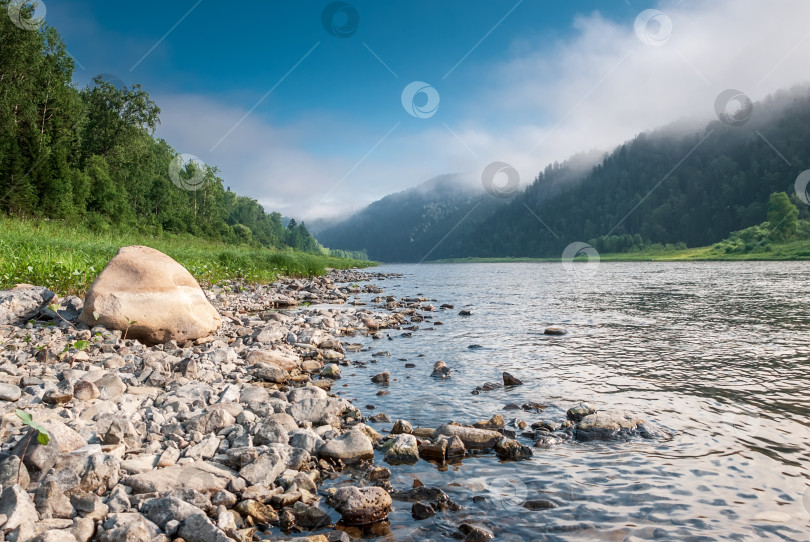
[[150, 296], [578, 412], [509, 380], [361, 505], [613, 425], [555, 331]]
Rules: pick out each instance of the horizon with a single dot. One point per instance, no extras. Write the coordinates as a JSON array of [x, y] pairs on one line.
[[319, 128]]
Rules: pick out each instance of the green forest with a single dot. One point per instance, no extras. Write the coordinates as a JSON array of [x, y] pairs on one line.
[[669, 188], [88, 157]]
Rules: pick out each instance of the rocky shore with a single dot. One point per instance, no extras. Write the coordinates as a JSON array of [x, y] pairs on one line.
[[229, 436]]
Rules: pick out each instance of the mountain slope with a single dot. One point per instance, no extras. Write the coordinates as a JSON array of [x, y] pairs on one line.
[[666, 186]]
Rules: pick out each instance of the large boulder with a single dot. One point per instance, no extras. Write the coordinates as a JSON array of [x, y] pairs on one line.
[[22, 303], [145, 286]]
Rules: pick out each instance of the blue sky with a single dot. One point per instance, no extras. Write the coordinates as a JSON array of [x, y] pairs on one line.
[[524, 82]]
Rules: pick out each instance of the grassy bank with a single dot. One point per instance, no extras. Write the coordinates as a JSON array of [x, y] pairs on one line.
[[794, 250], [67, 259]]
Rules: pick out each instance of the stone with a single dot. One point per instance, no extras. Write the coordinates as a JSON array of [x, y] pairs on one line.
[[361, 506], [38, 458], [495, 422], [52, 502], [17, 506], [89, 505], [162, 510], [402, 449], [332, 370], [129, 527], [144, 285], [440, 370], [306, 439], [402, 426], [539, 504], [83, 529], [475, 533], [264, 469], [421, 511], [271, 432], [284, 361], [110, 386], [269, 373], [611, 425], [349, 447], [22, 303], [465, 312], [509, 380], [9, 465], [67, 438], [511, 450], [62, 393], [9, 392], [54, 535], [310, 517], [169, 457], [85, 391], [261, 513], [472, 438], [297, 395], [555, 331], [118, 500], [381, 378], [576, 413], [200, 475]]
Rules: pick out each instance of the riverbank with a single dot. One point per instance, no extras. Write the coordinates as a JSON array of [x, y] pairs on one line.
[[237, 434], [793, 251], [68, 259]]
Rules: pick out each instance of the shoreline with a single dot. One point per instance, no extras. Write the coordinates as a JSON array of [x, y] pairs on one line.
[[234, 434]]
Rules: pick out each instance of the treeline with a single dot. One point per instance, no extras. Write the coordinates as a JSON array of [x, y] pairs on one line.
[[668, 188], [90, 156]]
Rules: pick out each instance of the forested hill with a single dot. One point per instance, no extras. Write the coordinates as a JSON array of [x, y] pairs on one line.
[[89, 156], [667, 186]]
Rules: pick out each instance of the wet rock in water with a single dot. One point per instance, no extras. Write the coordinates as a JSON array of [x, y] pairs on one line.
[[442, 448], [546, 440], [555, 331], [332, 371], [512, 450], [381, 378], [511, 406], [145, 286], [578, 412], [473, 439], [410, 365], [382, 417], [613, 425], [487, 386], [349, 447], [378, 473], [22, 303], [495, 422], [509, 380], [9, 392], [421, 511], [440, 370], [475, 533], [402, 449], [402, 426], [361, 506], [539, 504], [465, 312]]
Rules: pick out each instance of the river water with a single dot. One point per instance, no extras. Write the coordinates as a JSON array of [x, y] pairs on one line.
[[717, 354]]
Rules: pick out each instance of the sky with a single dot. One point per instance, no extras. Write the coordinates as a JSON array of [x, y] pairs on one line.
[[317, 108]]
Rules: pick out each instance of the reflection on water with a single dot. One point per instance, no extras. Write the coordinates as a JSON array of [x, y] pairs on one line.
[[717, 353]]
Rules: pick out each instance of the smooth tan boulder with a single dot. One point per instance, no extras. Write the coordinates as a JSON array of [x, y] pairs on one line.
[[144, 285]]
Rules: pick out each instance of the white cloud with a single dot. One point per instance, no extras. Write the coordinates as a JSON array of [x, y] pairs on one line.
[[543, 103]]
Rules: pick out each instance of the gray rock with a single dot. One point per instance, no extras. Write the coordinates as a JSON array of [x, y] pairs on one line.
[[38, 458], [54, 535], [9, 392], [83, 529], [511, 450], [198, 528], [306, 439], [611, 425], [402, 449], [332, 370], [18, 507], [475, 533], [579, 411], [85, 391], [51, 502], [131, 527], [269, 373], [62, 393], [9, 466], [509, 380], [307, 392], [89, 505], [349, 447], [110, 386], [315, 411], [271, 432], [200, 475], [264, 469], [361, 506], [381, 378], [473, 439], [118, 500], [402, 426], [22, 303], [162, 510]]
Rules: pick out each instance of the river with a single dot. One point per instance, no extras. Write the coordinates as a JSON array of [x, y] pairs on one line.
[[716, 354]]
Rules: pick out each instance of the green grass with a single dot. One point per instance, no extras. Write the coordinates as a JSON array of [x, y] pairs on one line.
[[793, 250], [67, 259]]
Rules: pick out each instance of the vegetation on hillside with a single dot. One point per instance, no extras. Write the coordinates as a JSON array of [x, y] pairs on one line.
[[89, 157]]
